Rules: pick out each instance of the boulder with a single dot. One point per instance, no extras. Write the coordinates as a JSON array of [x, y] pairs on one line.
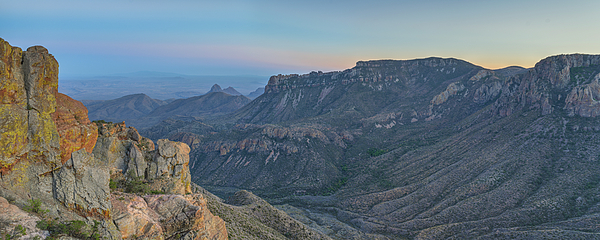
[[133, 218], [170, 161]]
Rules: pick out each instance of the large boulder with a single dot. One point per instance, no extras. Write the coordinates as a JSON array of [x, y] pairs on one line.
[[169, 163], [133, 217], [166, 217]]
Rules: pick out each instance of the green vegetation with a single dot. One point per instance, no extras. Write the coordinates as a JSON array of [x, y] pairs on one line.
[[132, 184], [77, 229], [374, 152], [18, 232], [112, 184], [335, 186], [35, 206], [101, 121], [136, 185]]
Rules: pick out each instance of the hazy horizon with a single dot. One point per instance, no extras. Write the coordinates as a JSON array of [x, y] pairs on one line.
[[266, 37]]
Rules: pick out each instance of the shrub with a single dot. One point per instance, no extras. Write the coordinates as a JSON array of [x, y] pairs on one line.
[[137, 185], [77, 229], [112, 184], [17, 233], [35, 206], [374, 152]]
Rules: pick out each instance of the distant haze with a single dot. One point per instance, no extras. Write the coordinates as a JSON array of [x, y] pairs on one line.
[[157, 85]]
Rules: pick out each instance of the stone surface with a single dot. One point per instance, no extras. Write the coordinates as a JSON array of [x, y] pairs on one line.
[[82, 185], [451, 90], [170, 162], [114, 145]]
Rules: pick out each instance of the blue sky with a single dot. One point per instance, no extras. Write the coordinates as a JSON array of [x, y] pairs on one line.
[[264, 37]]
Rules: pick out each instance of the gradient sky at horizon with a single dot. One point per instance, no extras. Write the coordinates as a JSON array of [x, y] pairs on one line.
[[267, 37]]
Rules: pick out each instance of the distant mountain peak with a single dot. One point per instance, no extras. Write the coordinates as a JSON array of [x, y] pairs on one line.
[[215, 88], [229, 90]]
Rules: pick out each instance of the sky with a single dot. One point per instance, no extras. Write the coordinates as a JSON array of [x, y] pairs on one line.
[[268, 37]]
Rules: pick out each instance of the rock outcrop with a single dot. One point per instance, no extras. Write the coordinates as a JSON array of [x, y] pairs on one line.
[[29, 141], [130, 155], [451, 90], [52, 163]]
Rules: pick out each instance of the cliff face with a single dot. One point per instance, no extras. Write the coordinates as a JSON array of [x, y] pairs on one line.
[[41, 128], [44, 139]]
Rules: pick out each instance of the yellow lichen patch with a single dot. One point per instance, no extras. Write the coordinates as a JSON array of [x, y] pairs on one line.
[[12, 91], [13, 131], [19, 174], [44, 137], [9, 56]]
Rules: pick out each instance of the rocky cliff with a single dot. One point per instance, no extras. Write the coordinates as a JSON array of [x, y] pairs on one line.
[[47, 167], [428, 149]]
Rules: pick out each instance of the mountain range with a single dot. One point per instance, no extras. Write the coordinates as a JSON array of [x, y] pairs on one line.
[[141, 111], [431, 148], [157, 85]]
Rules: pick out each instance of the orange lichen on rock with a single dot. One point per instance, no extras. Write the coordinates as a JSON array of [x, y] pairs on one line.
[[75, 129]]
